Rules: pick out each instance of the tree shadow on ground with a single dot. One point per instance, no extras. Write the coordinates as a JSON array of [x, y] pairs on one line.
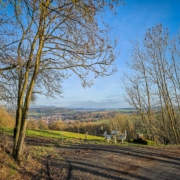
[[148, 153], [97, 170], [36, 167], [166, 161]]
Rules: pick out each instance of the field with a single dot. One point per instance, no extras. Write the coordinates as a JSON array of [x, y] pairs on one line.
[[56, 134], [61, 134], [36, 114], [104, 121], [49, 156]]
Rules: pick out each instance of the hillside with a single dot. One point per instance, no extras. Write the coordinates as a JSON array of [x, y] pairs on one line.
[[48, 156]]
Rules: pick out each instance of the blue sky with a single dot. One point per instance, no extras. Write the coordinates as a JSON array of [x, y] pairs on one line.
[[130, 23]]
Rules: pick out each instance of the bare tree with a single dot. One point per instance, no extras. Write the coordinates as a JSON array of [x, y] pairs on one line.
[[124, 122], [153, 88], [44, 41]]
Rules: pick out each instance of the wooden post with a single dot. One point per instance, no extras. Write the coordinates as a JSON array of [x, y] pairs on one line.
[[61, 133], [86, 136]]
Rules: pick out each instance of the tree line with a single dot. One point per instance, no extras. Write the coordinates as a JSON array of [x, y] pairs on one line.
[[76, 126], [132, 123]]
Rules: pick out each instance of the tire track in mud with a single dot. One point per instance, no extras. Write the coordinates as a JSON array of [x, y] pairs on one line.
[[115, 162]]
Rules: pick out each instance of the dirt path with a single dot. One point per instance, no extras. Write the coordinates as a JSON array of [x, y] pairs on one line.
[[88, 162]]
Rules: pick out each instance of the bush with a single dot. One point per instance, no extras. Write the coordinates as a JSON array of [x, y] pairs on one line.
[[151, 142], [142, 141], [42, 125], [6, 120], [57, 125], [32, 124]]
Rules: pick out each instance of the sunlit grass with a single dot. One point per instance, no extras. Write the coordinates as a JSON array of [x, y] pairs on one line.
[[53, 134], [62, 134], [77, 138]]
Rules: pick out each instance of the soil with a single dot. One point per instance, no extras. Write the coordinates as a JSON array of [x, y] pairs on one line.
[[40, 161], [100, 162], [66, 161]]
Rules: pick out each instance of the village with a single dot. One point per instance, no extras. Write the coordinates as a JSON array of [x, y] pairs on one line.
[[49, 115]]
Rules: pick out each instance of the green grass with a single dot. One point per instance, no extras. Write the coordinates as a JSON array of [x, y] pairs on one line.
[[12, 172], [104, 121], [58, 135], [7, 131], [39, 151], [36, 114], [72, 137], [151, 143], [54, 134]]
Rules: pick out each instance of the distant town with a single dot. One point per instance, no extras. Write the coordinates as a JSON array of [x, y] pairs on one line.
[[52, 114]]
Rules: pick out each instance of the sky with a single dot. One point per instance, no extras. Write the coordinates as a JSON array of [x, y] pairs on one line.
[[129, 24]]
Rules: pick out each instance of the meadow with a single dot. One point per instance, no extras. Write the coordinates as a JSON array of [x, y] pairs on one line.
[[55, 134], [47, 157]]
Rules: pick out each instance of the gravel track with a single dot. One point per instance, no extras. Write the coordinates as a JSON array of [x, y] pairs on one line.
[[99, 162]]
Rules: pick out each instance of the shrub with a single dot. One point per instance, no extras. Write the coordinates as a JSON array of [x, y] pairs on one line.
[[6, 120], [151, 142], [42, 125], [32, 124]]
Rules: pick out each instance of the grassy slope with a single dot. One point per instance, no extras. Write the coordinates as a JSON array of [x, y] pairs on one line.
[[55, 134], [58, 134], [38, 154], [48, 134]]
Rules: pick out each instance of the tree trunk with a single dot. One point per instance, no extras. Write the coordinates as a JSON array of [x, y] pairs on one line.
[[18, 151], [25, 95]]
